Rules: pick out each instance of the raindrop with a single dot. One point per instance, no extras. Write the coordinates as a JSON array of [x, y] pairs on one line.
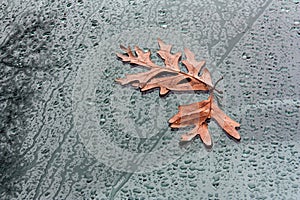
[[187, 161], [132, 100], [136, 190], [163, 25], [90, 102], [285, 9], [102, 119], [251, 185], [216, 178], [246, 154], [164, 184]]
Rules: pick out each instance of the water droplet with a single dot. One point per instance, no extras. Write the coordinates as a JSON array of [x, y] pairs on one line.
[[284, 9], [246, 153], [163, 24], [102, 119], [251, 185], [187, 161], [136, 190], [164, 184], [216, 178]]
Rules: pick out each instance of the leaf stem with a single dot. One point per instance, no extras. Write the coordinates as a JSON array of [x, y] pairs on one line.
[[214, 88]]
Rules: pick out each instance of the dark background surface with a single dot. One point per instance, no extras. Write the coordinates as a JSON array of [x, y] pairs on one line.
[[68, 131]]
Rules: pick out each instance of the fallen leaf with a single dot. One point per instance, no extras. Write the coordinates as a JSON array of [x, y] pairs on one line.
[[197, 114], [169, 77]]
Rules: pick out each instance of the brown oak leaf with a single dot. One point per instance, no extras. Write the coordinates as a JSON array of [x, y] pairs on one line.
[[197, 114], [170, 77]]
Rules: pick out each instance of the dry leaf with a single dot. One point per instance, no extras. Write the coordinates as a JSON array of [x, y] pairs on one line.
[[197, 114], [170, 77]]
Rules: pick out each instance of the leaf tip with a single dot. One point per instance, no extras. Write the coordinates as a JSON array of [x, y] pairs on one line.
[[160, 42], [186, 138], [188, 53], [123, 47], [232, 132], [237, 136], [119, 55], [163, 91], [208, 143], [118, 80]]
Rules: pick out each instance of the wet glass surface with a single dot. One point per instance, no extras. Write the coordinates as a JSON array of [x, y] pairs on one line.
[[68, 131]]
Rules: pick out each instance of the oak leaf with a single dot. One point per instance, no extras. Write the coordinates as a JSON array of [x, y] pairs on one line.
[[197, 114], [170, 77]]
